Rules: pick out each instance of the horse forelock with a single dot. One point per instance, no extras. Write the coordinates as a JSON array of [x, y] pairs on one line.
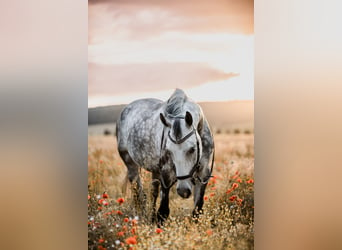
[[177, 129]]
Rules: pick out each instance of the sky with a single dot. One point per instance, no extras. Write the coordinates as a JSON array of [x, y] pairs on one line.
[[139, 49]]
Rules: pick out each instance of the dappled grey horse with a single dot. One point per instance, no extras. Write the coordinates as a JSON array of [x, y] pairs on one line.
[[173, 141]]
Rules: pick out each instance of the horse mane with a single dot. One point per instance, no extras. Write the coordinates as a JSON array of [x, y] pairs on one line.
[[174, 105]]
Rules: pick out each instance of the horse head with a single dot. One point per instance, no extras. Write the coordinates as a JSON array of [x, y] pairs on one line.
[[182, 149]]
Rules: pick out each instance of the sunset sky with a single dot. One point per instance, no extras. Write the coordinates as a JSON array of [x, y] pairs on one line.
[[142, 49]]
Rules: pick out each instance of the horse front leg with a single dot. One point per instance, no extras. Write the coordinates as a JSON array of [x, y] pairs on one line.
[[164, 210], [198, 199], [154, 196]]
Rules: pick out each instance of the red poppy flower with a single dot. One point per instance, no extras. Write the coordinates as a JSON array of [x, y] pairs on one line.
[[99, 208], [120, 234], [119, 212], [133, 230], [105, 196], [88, 196], [134, 222], [250, 181], [101, 240], [105, 203], [232, 198], [239, 180], [126, 220], [205, 198], [229, 191], [131, 241], [120, 200], [101, 248], [209, 232], [159, 230], [101, 161], [235, 185], [212, 194]]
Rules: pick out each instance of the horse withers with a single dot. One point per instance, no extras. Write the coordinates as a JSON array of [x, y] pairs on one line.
[[173, 141]]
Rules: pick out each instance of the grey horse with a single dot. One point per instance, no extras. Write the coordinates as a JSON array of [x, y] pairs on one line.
[[173, 141]]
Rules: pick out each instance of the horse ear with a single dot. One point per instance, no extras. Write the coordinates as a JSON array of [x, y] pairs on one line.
[[163, 120], [188, 118], [200, 126]]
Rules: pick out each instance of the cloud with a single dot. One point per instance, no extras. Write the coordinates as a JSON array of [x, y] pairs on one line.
[[144, 19], [128, 78]]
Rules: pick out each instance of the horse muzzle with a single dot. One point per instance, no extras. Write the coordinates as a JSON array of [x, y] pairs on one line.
[[184, 192]]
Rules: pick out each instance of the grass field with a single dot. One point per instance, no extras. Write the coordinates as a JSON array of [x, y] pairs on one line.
[[227, 222]]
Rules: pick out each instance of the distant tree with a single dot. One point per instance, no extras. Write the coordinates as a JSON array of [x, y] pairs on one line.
[[218, 131], [236, 131], [107, 132], [247, 131]]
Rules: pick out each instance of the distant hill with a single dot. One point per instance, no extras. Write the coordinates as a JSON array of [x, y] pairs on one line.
[[221, 115]]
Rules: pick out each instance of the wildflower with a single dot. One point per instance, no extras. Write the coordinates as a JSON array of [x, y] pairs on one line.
[[235, 185], [239, 201], [134, 222], [235, 176], [212, 194], [133, 230], [250, 181], [229, 191], [105, 195], [232, 198], [101, 161], [99, 208], [117, 242], [126, 219], [98, 196], [88, 197], [131, 241], [119, 212], [101, 240], [213, 188], [101, 201], [239, 180], [136, 217], [101, 248], [205, 198], [209, 232], [237, 172], [120, 200], [159, 230], [120, 233]]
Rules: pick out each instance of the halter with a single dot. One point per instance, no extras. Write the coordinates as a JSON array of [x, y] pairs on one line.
[[196, 165], [180, 141]]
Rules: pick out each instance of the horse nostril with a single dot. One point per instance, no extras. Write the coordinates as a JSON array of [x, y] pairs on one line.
[[184, 192]]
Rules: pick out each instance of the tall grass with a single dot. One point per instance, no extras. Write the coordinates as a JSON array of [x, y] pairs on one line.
[[116, 222]]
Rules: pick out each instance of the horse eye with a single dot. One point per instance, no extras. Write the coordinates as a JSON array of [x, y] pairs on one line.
[[191, 150]]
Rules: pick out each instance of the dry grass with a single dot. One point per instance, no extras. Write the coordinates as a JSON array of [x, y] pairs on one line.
[[227, 221]]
